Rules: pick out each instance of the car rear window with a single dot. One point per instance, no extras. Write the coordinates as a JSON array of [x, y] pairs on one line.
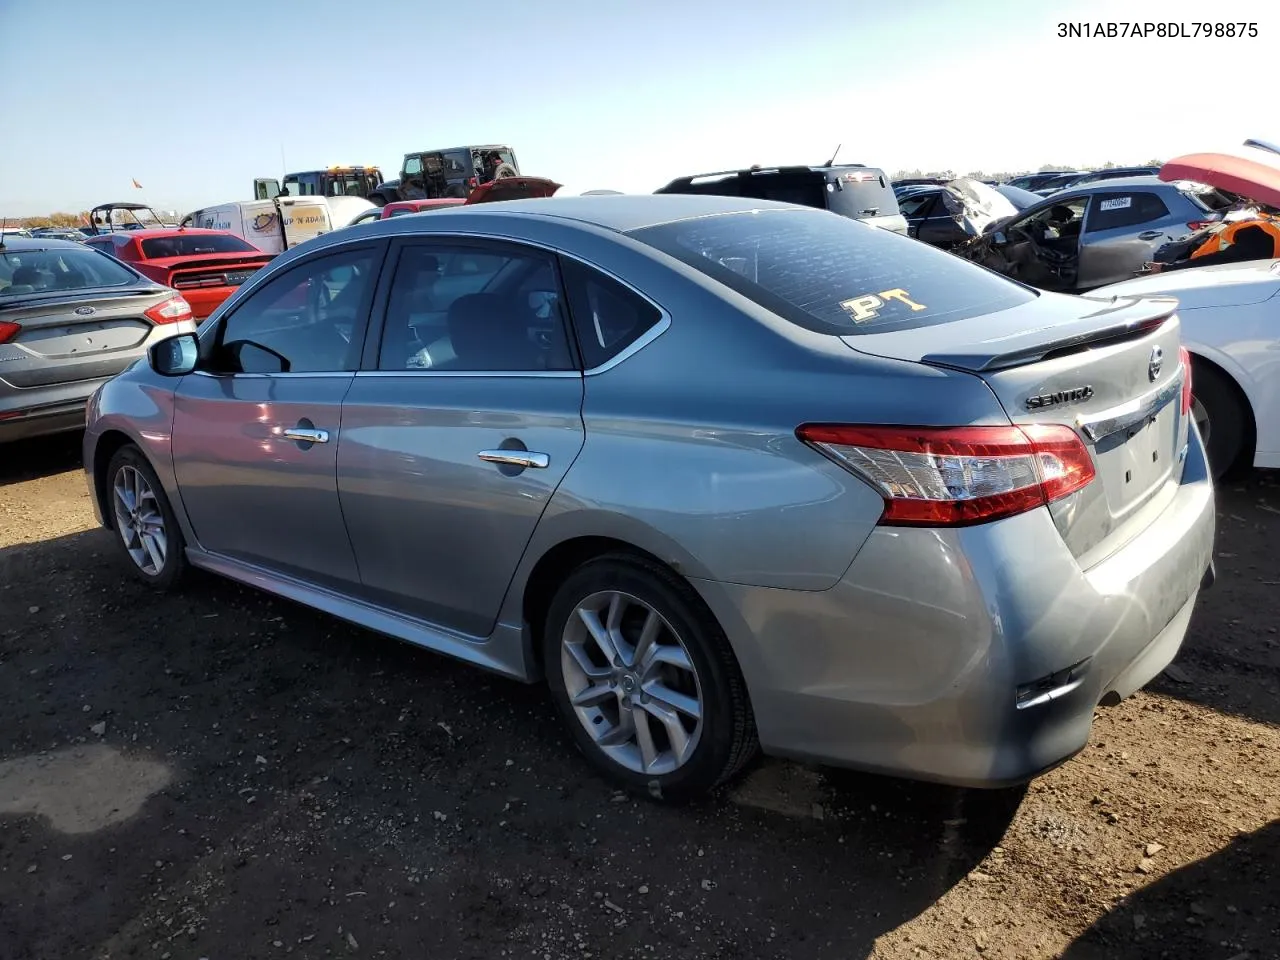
[[861, 193], [832, 274], [193, 244], [47, 271]]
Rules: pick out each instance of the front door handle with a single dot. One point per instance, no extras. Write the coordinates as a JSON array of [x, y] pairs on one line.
[[306, 435], [516, 458], [1150, 234]]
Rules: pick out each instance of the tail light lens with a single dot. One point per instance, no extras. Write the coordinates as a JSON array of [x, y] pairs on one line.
[[958, 476], [1195, 225], [1183, 355], [170, 311], [8, 330]]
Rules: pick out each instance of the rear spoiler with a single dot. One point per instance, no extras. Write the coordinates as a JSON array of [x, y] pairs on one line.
[[1120, 319], [75, 296]]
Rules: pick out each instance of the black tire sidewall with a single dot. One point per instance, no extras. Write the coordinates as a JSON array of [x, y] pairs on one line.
[[1227, 427], [175, 560], [700, 633]]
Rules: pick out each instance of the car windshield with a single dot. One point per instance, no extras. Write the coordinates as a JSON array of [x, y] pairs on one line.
[[193, 244], [832, 274], [48, 271]]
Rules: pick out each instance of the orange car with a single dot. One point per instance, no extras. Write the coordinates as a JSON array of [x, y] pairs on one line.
[[206, 266]]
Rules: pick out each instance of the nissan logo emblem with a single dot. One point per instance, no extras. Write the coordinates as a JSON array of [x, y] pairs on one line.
[[84, 311], [1155, 363]]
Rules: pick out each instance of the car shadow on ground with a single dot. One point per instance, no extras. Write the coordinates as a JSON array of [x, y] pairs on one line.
[[313, 785], [38, 457], [1220, 906], [1230, 661]]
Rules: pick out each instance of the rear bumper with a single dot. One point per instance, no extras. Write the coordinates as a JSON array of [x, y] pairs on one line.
[[914, 663], [38, 411]]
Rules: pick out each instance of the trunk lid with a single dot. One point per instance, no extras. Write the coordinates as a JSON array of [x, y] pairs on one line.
[[66, 338], [1108, 368], [217, 270]]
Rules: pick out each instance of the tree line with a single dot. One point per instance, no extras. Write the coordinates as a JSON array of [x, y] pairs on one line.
[[1003, 175], [51, 220]]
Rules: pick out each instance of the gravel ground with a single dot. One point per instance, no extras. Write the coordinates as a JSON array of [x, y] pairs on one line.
[[218, 774]]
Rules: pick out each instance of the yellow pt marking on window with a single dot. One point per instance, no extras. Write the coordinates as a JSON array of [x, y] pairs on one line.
[[868, 306]]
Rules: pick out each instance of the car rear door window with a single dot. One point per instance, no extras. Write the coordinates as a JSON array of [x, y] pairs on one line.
[[607, 317], [834, 274], [1112, 210], [458, 307], [309, 319]]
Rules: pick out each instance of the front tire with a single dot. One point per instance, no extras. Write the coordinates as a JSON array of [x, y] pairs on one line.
[[1222, 418], [146, 531], [645, 679]]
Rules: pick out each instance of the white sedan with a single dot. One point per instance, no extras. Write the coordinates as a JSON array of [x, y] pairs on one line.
[[1231, 325]]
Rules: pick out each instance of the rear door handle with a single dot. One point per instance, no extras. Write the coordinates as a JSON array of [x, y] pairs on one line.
[[306, 435], [1150, 234], [516, 458]]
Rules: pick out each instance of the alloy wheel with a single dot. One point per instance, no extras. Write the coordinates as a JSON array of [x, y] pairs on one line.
[[631, 683], [139, 520]]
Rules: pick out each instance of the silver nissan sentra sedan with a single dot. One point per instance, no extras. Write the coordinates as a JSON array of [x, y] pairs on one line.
[[729, 475]]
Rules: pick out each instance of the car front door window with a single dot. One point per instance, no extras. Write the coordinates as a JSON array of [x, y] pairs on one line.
[[304, 321]]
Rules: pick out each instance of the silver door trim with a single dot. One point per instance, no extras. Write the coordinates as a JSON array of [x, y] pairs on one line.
[[516, 458]]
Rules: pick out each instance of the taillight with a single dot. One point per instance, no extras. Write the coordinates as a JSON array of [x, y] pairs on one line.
[[958, 476], [1196, 225], [1185, 357], [169, 311], [8, 330]]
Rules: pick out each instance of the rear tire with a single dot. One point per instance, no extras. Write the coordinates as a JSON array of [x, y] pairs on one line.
[[1223, 418], [147, 534], [665, 708]]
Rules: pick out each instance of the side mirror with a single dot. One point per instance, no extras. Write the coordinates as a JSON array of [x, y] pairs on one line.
[[999, 237], [176, 356]]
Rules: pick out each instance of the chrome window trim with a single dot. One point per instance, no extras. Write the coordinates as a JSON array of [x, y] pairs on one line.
[[1133, 412]]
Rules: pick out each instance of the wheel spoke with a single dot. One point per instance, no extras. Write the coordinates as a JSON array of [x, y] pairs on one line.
[[594, 695], [599, 633], [154, 551], [676, 732], [669, 654], [660, 693], [644, 739], [648, 635], [582, 661]]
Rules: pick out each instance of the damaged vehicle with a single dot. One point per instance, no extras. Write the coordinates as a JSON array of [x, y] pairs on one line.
[[1228, 312], [1100, 233], [960, 210]]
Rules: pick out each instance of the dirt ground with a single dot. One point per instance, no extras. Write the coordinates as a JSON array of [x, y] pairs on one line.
[[218, 774]]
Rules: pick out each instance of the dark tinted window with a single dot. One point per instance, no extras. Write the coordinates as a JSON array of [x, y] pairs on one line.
[[607, 316], [916, 205], [476, 309], [1111, 210], [310, 315], [192, 244], [832, 274], [47, 271]]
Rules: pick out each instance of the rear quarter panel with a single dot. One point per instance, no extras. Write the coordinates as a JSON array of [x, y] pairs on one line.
[[690, 448]]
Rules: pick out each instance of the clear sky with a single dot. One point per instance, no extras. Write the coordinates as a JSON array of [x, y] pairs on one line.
[[193, 99]]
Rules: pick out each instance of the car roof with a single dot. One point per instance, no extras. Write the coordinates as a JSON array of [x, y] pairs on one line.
[[620, 212], [1121, 183], [28, 244]]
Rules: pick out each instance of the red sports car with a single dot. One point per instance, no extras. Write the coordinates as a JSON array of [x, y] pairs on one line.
[[206, 266]]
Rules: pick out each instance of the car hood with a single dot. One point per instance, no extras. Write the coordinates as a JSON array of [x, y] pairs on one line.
[[1220, 285], [1247, 171], [976, 206], [513, 188]]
